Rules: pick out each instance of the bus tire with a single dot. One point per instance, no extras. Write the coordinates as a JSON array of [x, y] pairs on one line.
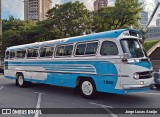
[[20, 81], [157, 86], [87, 88]]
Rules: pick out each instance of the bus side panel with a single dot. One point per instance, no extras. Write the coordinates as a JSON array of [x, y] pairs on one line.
[[9, 73], [65, 73], [107, 77], [60, 79]]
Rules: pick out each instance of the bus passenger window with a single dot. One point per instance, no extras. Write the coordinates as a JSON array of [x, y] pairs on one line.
[[60, 51], [35, 53], [29, 54], [12, 54], [68, 50], [49, 51], [43, 52], [21, 54], [32, 53], [7, 55], [80, 50], [109, 48], [91, 48], [46, 51]]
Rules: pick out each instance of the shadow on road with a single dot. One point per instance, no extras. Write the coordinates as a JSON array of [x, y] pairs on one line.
[[129, 100]]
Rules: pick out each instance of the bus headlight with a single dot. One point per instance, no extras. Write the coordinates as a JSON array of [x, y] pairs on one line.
[[136, 76]]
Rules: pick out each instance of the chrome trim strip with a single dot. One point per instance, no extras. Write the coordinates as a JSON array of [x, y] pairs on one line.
[[123, 76], [136, 86]]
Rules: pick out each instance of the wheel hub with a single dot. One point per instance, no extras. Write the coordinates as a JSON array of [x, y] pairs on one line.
[[87, 88]]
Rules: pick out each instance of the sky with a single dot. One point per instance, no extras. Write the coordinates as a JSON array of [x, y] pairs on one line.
[[15, 7]]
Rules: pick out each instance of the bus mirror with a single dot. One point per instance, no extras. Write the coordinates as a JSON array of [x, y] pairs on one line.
[[125, 57]]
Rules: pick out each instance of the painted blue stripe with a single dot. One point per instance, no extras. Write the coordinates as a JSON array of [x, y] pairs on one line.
[[10, 77], [143, 64]]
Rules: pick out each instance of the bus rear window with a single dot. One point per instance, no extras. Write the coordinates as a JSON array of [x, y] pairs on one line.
[[7, 55]]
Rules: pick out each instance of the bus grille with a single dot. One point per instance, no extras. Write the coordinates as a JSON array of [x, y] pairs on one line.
[[145, 75]]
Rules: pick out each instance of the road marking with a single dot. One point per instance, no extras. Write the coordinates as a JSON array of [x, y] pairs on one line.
[[106, 108], [152, 93], [1, 87], [38, 103]]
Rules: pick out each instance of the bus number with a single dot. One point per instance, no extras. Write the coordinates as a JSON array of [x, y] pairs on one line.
[[108, 82]]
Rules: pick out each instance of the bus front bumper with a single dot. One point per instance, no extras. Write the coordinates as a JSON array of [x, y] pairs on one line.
[[136, 86]]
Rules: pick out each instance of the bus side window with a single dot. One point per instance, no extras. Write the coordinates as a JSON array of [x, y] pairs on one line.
[[49, 51], [32, 53], [60, 51], [68, 50], [43, 52], [109, 48], [46, 51], [7, 55], [80, 49], [21, 54], [91, 48], [29, 54], [12, 54], [35, 53]]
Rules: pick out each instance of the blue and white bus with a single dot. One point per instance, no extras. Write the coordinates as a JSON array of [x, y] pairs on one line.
[[112, 62]]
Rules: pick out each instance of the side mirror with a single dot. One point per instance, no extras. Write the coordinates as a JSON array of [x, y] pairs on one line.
[[125, 57]]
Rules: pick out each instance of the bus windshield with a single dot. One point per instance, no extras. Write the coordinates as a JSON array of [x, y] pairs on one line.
[[132, 47]]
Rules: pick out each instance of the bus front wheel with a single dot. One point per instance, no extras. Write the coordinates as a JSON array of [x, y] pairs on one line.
[[87, 88]]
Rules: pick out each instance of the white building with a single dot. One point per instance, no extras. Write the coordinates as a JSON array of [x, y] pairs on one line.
[[144, 19], [153, 33], [158, 22], [36, 9]]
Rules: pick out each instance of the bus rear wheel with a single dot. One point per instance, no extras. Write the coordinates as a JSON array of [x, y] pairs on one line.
[[20, 81], [87, 88]]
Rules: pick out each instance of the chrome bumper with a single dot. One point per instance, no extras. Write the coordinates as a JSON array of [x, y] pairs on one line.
[[136, 86]]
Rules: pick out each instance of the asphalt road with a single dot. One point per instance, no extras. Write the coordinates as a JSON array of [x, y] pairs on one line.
[[46, 96]]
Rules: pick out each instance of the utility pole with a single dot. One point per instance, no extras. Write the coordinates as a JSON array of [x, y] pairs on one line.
[[154, 12], [0, 17], [0, 30]]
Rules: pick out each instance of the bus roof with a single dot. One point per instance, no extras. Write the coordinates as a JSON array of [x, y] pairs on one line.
[[107, 34]]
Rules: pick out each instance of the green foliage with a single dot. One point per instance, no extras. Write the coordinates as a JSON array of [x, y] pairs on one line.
[[124, 14], [69, 19], [16, 32], [149, 44]]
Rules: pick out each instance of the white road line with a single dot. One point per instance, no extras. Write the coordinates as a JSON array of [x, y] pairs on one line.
[[152, 93], [106, 108], [38, 103], [1, 87]]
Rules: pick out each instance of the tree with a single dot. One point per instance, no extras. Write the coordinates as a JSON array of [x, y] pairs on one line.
[[16, 32], [124, 14], [69, 19]]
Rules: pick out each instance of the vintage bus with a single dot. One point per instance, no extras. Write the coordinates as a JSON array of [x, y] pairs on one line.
[[112, 62]]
